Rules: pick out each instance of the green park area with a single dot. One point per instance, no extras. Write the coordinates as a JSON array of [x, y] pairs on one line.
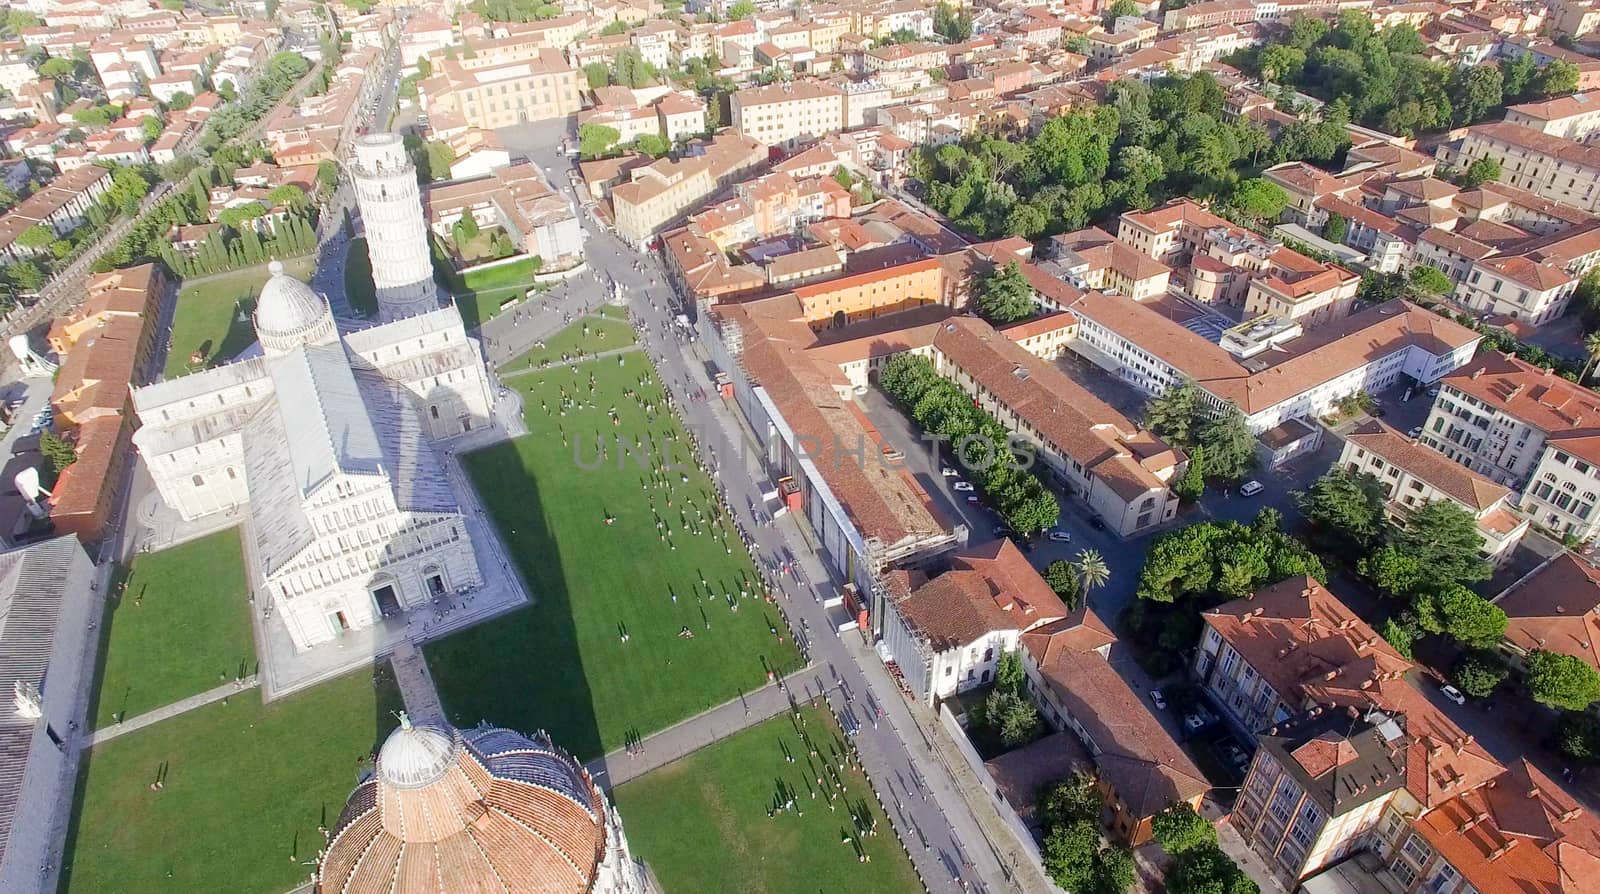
[[227, 797], [178, 625], [206, 326], [634, 626], [737, 816], [588, 335]]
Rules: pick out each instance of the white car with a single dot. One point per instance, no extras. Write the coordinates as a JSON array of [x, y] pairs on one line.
[[1158, 699], [948, 472], [1193, 722], [1453, 694], [1251, 488], [962, 485], [1058, 536]]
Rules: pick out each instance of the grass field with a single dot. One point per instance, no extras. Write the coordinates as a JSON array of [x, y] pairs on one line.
[[181, 627], [561, 664], [605, 333], [359, 289], [245, 789], [702, 823], [206, 322]]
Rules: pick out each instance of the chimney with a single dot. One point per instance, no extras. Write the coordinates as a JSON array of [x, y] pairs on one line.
[[1477, 372]]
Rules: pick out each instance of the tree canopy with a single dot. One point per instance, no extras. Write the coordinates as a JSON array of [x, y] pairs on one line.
[[1562, 681], [1178, 829], [1003, 295], [1222, 559]]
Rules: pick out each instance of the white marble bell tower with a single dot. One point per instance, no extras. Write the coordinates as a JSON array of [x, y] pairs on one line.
[[397, 235]]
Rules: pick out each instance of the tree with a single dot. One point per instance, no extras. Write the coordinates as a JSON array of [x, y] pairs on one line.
[[1010, 675], [1259, 199], [1484, 170], [1561, 681], [1179, 828], [1478, 673], [614, 28], [595, 140], [1119, 9], [1578, 736], [227, 91], [1067, 800], [1070, 850], [55, 67], [953, 26], [1003, 296], [1556, 78], [1115, 872], [1018, 719], [1062, 577], [1430, 280], [1171, 414], [1346, 508], [1391, 570], [652, 145], [1207, 870], [743, 9], [424, 67], [1444, 539], [58, 450], [1092, 569], [36, 236], [1336, 228], [1462, 614], [1193, 483], [598, 75], [466, 229], [288, 196], [1229, 446]]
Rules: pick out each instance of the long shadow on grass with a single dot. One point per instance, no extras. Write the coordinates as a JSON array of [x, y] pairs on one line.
[[485, 673]]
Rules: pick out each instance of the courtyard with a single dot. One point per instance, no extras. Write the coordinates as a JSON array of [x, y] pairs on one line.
[[227, 797], [746, 814], [207, 329], [638, 621], [180, 627]]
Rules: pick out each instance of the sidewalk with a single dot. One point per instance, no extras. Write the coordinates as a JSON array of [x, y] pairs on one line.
[[182, 706], [688, 736]]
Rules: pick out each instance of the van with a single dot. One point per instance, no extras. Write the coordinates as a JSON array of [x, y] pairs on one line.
[[1251, 488]]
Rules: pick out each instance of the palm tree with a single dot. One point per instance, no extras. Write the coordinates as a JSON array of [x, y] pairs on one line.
[[1591, 344], [1092, 570]]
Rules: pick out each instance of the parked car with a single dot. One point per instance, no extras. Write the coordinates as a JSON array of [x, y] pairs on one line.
[[1453, 694], [1415, 433], [1057, 535], [962, 485], [948, 472], [1159, 700], [1251, 488], [972, 499], [1193, 722], [1096, 523]]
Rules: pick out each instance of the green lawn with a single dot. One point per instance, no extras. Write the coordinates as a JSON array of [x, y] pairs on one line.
[[702, 823], [181, 627], [561, 664], [477, 306], [358, 287], [245, 789], [604, 334], [206, 327]]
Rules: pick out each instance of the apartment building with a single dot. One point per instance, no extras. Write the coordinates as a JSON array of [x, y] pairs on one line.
[[788, 113], [59, 205], [1556, 608], [1573, 117], [1556, 168], [1094, 259], [1517, 287], [1413, 475], [947, 629], [518, 201], [1094, 452], [539, 88], [1139, 768], [1303, 376], [1529, 429], [1348, 747], [1295, 287], [659, 193]]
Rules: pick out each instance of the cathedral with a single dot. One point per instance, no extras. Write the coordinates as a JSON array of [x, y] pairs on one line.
[[327, 438], [485, 809]]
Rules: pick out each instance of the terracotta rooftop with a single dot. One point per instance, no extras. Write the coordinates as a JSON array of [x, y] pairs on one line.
[[1557, 608], [1533, 394], [989, 588], [1473, 491]]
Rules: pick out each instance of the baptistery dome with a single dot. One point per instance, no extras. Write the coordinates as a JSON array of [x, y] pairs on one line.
[[288, 313], [485, 809]]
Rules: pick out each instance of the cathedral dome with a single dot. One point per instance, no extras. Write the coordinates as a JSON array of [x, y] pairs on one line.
[[288, 313], [468, 810]]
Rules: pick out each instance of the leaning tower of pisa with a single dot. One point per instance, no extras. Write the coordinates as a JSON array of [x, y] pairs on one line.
[[397, 235]]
